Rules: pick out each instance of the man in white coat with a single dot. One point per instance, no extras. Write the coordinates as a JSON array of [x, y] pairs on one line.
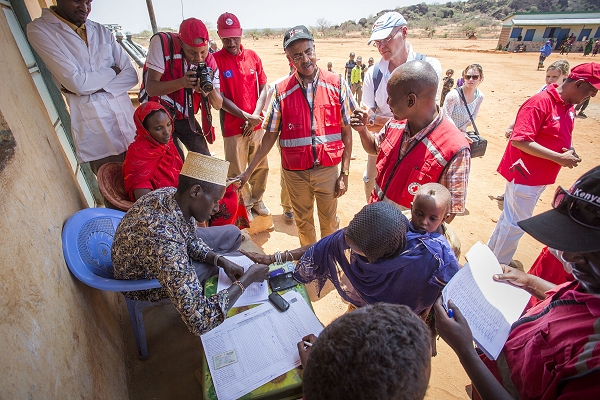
[[94, 73]]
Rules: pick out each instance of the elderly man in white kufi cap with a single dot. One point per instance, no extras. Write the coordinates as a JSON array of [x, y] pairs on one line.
[[158, 239]]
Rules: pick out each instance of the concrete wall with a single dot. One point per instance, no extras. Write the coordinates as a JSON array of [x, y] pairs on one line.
[[59, 338]]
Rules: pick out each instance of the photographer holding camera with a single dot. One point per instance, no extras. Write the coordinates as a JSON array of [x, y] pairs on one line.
[[182, 75]]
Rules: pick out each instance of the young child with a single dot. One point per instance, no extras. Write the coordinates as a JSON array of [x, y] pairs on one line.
[[429, 210], [448, 84]]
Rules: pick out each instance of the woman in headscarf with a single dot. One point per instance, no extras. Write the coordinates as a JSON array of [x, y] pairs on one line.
[[152, 162], [545, 51], [379, 257], [588, 47]]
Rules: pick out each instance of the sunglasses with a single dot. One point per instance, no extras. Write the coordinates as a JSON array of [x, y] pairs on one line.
[[582, 211], [474, 77]]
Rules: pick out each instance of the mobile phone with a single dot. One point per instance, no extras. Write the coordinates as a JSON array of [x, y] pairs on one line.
[[276, 272], [278, 301], [282, 282]]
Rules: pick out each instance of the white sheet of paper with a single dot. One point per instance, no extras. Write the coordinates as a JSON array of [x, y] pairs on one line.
[[263, 343], [256, 293], [490, 307]]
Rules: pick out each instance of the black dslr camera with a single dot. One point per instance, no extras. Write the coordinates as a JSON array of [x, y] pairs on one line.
[[204, 74]]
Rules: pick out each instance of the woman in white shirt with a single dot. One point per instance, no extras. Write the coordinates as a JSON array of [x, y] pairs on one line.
[[454, 107]]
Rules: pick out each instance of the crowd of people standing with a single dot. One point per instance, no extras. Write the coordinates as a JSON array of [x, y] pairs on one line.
[[400, 249]]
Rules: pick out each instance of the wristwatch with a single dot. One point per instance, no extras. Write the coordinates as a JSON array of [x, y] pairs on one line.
[[345, 172], [372, 119]]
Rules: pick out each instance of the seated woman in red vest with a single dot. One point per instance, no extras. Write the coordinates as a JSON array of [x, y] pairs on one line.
[[152, 162]]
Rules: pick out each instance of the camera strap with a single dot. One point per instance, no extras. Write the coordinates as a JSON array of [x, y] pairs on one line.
[[189, 103]]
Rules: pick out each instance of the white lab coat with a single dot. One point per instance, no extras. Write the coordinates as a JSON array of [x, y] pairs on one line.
[[101, 123]]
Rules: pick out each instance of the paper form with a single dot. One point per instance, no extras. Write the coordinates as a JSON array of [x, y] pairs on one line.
[[257, 292], [263, 343], [489, 307]]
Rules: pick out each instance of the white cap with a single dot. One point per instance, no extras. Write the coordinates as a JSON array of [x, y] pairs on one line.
[[385, 24]]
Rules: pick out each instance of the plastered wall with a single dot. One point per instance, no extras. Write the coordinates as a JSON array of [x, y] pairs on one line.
[[58, 338]]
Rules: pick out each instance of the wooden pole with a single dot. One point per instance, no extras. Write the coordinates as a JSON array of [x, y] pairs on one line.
[[151, 15]]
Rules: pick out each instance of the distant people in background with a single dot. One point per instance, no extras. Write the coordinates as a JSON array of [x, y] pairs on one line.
[[330, 67], [588, 47], [371, 62], [539, 146], [545, 51], [447, 86], [455, 109], [519, 38], [94, 74], [356, 79], [213, 46], [349, 65], [377, 352], [596, 48]]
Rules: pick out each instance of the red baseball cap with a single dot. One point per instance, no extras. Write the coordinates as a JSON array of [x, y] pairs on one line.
[[191, 30], [589, 72], [228, 25]]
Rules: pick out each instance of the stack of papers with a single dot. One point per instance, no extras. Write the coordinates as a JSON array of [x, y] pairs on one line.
[[489, 307], [253, 347], [256, 293]]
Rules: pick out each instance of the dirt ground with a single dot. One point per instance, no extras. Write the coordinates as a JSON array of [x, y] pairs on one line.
[[509, 79]]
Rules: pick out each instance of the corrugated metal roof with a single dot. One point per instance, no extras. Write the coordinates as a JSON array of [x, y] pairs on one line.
[[556, 22]]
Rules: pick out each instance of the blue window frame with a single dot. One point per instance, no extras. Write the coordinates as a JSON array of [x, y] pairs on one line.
[[529, 35], [515, 33], [584, 35]]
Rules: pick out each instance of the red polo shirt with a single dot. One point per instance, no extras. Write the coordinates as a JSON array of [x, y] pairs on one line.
[[547, 120], [240, 78]]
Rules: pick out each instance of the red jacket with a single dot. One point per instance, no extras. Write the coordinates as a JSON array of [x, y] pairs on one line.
[[174, 69], [425, 161], [302, 147]]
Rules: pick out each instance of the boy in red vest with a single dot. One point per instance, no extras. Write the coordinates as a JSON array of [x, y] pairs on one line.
[[170, 78]]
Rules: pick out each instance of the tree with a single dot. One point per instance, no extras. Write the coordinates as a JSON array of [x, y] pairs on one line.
[[470, 30], [323, 24]]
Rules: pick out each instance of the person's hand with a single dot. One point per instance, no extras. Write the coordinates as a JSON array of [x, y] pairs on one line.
[[569, 158], [256, 273], [243, 178], [256, 257], [233, 271], [116, 69], [252, 122], [509, 130], [455, 331], [189, 80], [304, 349], [469, 140], [341, 185], [359, 120], [512, 276]]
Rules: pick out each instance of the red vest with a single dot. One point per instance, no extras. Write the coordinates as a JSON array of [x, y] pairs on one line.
[[424, 163], [174, 69], [302, 147]]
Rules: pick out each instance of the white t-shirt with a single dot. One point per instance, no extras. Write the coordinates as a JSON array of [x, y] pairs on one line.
[[379, 100], [156, 61]]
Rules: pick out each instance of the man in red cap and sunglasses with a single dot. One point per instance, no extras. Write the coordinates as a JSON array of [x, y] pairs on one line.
[[176, 72], [539, 146], [553, 350]]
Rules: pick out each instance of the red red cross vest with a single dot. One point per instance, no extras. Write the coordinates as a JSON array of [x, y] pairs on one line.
[[304, 146], [398, 180], [175, 102]]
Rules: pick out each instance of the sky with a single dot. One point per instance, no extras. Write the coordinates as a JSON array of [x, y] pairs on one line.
[[132, 15]]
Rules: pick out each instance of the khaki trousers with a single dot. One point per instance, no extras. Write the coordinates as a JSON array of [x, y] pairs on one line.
[[240, 151], [304, 187]]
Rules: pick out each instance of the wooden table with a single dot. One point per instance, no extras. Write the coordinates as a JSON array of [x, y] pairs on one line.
[[285, 387]]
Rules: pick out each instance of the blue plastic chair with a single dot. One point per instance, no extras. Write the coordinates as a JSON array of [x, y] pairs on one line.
[[87, 240]]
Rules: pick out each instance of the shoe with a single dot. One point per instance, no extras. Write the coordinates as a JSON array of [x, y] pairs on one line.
[[582, 115], [250, 216], [261, 209], [289, 215]]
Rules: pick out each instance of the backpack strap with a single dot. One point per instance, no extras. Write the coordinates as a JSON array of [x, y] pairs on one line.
[[377, 77]]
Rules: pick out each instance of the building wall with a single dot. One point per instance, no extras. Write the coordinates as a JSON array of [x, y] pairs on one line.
[[59, 338]]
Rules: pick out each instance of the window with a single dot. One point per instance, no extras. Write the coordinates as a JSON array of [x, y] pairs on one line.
[[584, 35], [597, 34], [516, 32], [529, 35], [550, 32]]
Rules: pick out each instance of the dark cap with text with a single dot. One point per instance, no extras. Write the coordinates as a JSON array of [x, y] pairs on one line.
[[296, 33], [573, 224]]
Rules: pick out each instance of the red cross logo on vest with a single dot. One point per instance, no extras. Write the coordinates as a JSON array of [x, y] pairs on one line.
[[413, 187]]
